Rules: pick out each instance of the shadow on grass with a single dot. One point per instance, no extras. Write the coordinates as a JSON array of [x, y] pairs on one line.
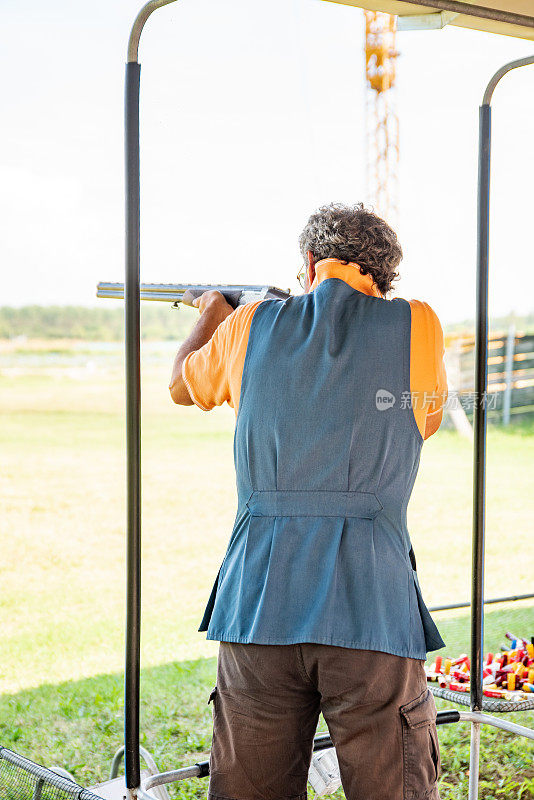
[[78, 724]]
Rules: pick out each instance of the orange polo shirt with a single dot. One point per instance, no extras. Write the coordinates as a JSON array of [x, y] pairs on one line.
[[212, 374]]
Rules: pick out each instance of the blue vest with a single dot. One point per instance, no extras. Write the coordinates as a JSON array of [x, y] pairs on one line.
[[325, 464]]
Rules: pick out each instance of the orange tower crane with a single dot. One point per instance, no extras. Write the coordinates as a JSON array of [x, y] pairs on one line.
[[381, 121]]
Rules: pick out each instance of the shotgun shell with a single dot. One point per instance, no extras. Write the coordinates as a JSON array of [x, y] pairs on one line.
[[459, 687], [439, 660], [447, 667], [460, 676], [530, 650], [528, 687], [493, 693], [531, 676], [489, 658], [510, 683], [443, 681], [460, 660]]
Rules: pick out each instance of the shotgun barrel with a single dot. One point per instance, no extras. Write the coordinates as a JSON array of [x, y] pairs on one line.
[[174, 292]]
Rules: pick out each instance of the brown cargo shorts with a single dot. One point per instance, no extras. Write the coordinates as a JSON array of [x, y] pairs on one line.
[[267, 701]]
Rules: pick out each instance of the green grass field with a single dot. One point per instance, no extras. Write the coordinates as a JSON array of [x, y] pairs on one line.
[[62, 566]]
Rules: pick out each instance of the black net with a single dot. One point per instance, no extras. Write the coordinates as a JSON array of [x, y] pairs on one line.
[[500, 622], [21, 779], [488, 704]]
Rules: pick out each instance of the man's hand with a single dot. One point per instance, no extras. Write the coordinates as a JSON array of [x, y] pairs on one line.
[[213, 310], [212, 302]]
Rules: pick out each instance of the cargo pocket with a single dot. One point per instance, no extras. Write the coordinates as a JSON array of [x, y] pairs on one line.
[[421, 758]]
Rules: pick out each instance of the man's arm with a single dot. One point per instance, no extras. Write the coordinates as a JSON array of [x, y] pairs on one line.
[[213, 310], [435, 412], [427, 368], [433, 421]]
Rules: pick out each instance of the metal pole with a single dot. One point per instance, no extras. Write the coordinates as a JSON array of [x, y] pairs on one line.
[[509, 599], [480, 411], [480, 11], [481, 368], [495, 722], [133, 431], [133, 405], [474, 761]]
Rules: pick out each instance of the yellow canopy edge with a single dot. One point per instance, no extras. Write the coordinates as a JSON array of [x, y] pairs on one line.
[[509, 17]]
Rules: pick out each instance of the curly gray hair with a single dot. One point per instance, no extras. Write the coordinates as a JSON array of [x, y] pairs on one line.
[[354, 234]]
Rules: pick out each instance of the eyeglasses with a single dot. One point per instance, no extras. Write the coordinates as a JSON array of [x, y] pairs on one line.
[[301, 277]]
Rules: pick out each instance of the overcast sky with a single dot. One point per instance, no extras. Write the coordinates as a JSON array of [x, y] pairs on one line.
[[251, 116]]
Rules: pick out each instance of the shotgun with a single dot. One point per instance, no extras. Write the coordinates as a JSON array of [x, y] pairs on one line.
[[174, 292]]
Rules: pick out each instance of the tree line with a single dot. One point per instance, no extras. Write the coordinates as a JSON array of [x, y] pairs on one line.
[[158, 322]]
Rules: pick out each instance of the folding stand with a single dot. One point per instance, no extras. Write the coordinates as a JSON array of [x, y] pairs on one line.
[[476, 715]]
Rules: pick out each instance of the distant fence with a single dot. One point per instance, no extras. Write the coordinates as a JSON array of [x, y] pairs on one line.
[[510, 374]]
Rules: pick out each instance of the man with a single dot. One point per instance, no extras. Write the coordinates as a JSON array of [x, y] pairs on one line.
[[317, 604]]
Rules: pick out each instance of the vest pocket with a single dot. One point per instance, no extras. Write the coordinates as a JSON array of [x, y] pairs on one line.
[[421, 759]]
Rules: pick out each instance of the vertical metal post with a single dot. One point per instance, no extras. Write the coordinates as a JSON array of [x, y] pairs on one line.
[[481, 375], [480, 411], [508, 375], [474, 761], [133, 404], [133, 430]]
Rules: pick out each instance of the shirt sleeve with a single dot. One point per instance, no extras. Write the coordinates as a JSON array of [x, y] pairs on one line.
[[428, 377], [441, 389], [213, 374], [435, 408]]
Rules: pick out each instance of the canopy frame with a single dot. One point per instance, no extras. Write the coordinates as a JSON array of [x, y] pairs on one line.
[[133, 414], [434, 14]]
